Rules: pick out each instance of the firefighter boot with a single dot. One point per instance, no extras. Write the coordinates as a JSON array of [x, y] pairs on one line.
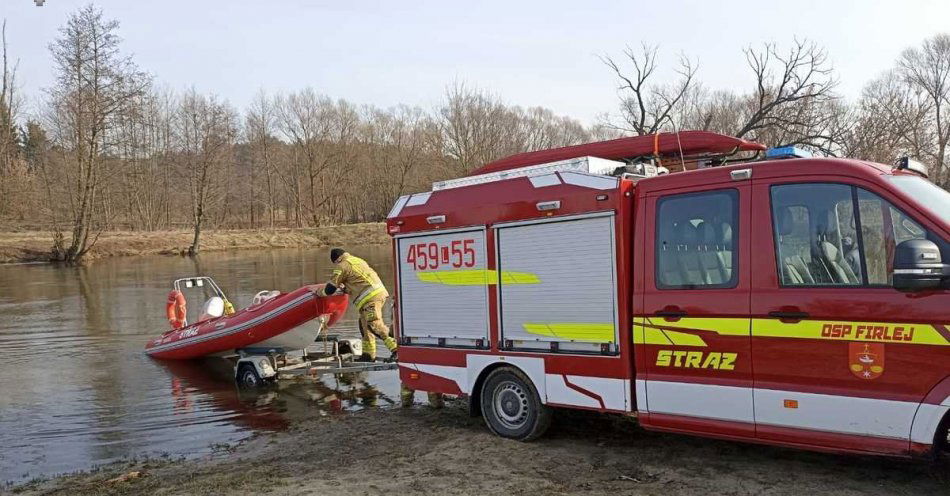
[[369, 351], [405, 396], [436, 400], [393, 348]]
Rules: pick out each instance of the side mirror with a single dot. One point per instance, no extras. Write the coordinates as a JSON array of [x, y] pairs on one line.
[[918, 266]]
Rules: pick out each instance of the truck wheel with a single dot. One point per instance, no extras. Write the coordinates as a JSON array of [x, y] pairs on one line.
[[248, 378], [943, 441], [511, 406]]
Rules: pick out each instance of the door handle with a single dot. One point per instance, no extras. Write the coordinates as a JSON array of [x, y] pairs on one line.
[[671, 313], [789, 316]]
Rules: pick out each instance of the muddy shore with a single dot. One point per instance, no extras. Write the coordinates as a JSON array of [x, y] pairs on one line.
[[35, 246], [426, 451]]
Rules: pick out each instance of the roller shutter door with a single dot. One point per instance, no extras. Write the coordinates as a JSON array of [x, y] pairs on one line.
[[561, 285], [443, 288]]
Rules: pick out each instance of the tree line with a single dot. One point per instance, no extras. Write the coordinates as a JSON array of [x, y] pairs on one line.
[[110, 149]]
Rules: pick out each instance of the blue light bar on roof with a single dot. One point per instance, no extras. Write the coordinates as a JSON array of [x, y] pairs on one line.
[[787, 152]]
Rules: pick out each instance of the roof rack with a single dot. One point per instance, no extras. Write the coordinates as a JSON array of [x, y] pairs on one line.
[[590, 165]]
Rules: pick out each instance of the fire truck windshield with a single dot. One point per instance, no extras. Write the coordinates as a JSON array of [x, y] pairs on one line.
[[928, 193]]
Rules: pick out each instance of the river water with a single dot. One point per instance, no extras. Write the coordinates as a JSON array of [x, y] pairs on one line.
[[76, 389]]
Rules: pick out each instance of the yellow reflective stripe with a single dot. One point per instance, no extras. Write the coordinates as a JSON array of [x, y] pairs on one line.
[[684, 339], [725, 326], [651, 335], [597, 332], [872, 332], [459, 277], [509, 277], [638, 330], [654, 336], [365, 296], [647, 331], [476, 277]]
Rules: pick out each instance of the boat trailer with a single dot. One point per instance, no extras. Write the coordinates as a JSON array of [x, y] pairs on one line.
[[331, 355]]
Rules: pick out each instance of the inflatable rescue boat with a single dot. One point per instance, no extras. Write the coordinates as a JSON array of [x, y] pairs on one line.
[[274, 321]]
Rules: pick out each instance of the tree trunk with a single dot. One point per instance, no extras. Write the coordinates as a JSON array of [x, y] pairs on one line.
[[196, 239]]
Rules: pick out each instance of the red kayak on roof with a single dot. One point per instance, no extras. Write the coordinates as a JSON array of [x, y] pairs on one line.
[[274, 321], [663, 144]]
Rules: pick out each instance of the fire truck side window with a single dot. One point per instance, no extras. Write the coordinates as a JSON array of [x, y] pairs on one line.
[[816, 235], [821, 242], [696, 237], [883, 227]]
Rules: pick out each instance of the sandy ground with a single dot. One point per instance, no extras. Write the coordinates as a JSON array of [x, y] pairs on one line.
[[426, 451], [33, 246]]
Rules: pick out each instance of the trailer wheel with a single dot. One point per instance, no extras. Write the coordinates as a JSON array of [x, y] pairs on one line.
[[248, 378], [511, 406]]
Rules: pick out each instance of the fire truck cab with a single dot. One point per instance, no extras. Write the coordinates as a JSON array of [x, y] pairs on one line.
[[792, 301]]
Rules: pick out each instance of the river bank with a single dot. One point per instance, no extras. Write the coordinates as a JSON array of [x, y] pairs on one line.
[[34, 246], [426, 451]]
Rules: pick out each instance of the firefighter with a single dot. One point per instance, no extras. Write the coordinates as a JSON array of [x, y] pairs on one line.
[[356, 278]]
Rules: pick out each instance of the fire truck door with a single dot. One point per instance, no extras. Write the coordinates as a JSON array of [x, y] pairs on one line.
[[841, 358], [693, 332]]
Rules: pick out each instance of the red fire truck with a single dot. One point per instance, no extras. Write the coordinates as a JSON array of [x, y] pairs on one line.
[[793, 300]]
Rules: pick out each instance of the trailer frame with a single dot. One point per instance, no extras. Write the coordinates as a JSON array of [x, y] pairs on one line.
[[256, 367]]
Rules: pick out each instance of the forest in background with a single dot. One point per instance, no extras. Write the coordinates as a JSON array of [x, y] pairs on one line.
[[107, 147]]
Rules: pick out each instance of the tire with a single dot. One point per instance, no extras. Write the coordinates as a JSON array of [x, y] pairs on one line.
[[511, 406], [942, 441], [248, 378]]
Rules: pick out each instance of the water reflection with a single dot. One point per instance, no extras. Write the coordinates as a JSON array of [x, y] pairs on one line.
[[273, 406], [77, 389]]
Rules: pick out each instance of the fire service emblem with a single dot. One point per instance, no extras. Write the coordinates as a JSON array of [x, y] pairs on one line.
[[866, 360]]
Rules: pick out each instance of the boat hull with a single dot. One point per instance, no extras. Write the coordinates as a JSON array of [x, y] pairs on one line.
[[684, 143], [253, 327]]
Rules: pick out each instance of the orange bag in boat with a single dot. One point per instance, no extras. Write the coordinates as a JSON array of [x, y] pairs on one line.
[[175, 309]]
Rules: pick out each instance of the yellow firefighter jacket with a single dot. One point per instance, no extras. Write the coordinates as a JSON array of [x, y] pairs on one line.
[[358, 280]]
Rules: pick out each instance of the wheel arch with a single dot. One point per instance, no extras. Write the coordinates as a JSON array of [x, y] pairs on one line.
[[932, 420], [475, 395]]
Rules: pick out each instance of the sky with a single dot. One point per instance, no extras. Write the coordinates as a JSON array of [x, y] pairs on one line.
[[529, 53]]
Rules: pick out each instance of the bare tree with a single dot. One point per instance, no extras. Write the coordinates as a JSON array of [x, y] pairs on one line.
[[794, 97], [927, 70], [889, 119], [717, 111], [540, 128], [396, 148], [473, 127], [15, 177], [143, 145], [94, 85], [793, 100], [259, 129], [646, 107], [8, 107], [206, 130], [306, 120]]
